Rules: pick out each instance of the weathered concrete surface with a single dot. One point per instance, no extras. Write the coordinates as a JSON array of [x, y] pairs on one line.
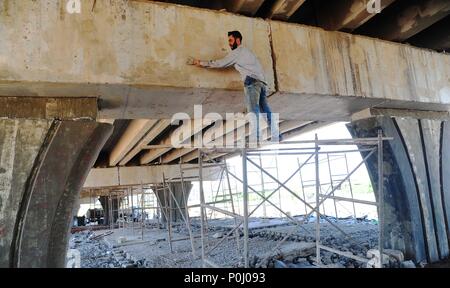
[[136, 175], [180, 191], [338, 73], [48, 108], [43, 166], [132, 56], [108, 210], [416, 191], [20, 143]]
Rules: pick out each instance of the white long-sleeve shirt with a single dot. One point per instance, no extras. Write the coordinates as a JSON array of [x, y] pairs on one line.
[[243, 60]]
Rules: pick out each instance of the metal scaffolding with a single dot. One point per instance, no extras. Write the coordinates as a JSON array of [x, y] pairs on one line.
[[312, 153], [225, 196]]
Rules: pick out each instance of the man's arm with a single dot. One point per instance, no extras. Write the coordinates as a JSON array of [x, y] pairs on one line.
[[228, 61]]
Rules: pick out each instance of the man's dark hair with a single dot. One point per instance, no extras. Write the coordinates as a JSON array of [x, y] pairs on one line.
[[236, 35]]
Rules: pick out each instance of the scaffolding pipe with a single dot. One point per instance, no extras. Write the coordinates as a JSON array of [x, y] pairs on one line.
[[245, 200], [318, 260]]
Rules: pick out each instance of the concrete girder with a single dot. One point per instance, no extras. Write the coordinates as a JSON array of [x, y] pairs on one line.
[[365, 65], [45, 163], [332, 74], [436, 37], [283, 9], [133, 134], [117, 177], [182, 134], [284, 127], [155, 131], [215, 132], [407, 20], [48, 108], [416, 192], [346, 15], [247, 7]]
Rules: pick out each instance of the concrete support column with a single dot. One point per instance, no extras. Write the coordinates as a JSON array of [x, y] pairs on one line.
[[164, 199], [104, 200], [416, 184], [43, 165]]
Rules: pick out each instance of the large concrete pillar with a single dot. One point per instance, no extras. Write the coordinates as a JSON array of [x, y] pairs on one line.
[[43, 165], [164, 197], [416, 184], [107, 206]]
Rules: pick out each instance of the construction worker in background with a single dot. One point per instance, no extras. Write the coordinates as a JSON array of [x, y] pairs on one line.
[[255, 86]]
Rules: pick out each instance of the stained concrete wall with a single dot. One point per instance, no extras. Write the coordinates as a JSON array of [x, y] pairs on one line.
[[313, 64], [132, 55], [128, 52], [43, 164], [417, 192]]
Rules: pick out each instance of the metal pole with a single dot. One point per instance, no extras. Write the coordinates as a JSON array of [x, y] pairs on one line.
[[168, 212], [380, 196], [186, 209], [142, 212], [331, 183], [262, 187], [317, 202], [202, 203], [184, 218], [350, 185], [303, 186], [132, 210], [245, 200]]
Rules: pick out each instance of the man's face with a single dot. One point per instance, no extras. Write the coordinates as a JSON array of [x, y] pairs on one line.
[[233, 42]]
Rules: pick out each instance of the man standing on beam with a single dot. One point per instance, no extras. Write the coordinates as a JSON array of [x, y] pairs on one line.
[[255, 86]]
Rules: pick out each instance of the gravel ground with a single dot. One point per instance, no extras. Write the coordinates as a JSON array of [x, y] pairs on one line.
[[296, 252]]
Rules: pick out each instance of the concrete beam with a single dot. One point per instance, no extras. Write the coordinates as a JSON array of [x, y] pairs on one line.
[[155, 131], [213, 133], [345, 15], [88, 54], [136, 175], [360, 72], [408, 19], [48, 108], [132, 135], [321, 75], [247, 7], [283, 9]]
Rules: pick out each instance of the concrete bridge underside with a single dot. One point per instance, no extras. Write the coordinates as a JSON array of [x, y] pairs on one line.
[[59, 72]]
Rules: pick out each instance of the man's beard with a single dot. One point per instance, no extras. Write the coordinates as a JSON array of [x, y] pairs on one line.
[[234, 46]]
